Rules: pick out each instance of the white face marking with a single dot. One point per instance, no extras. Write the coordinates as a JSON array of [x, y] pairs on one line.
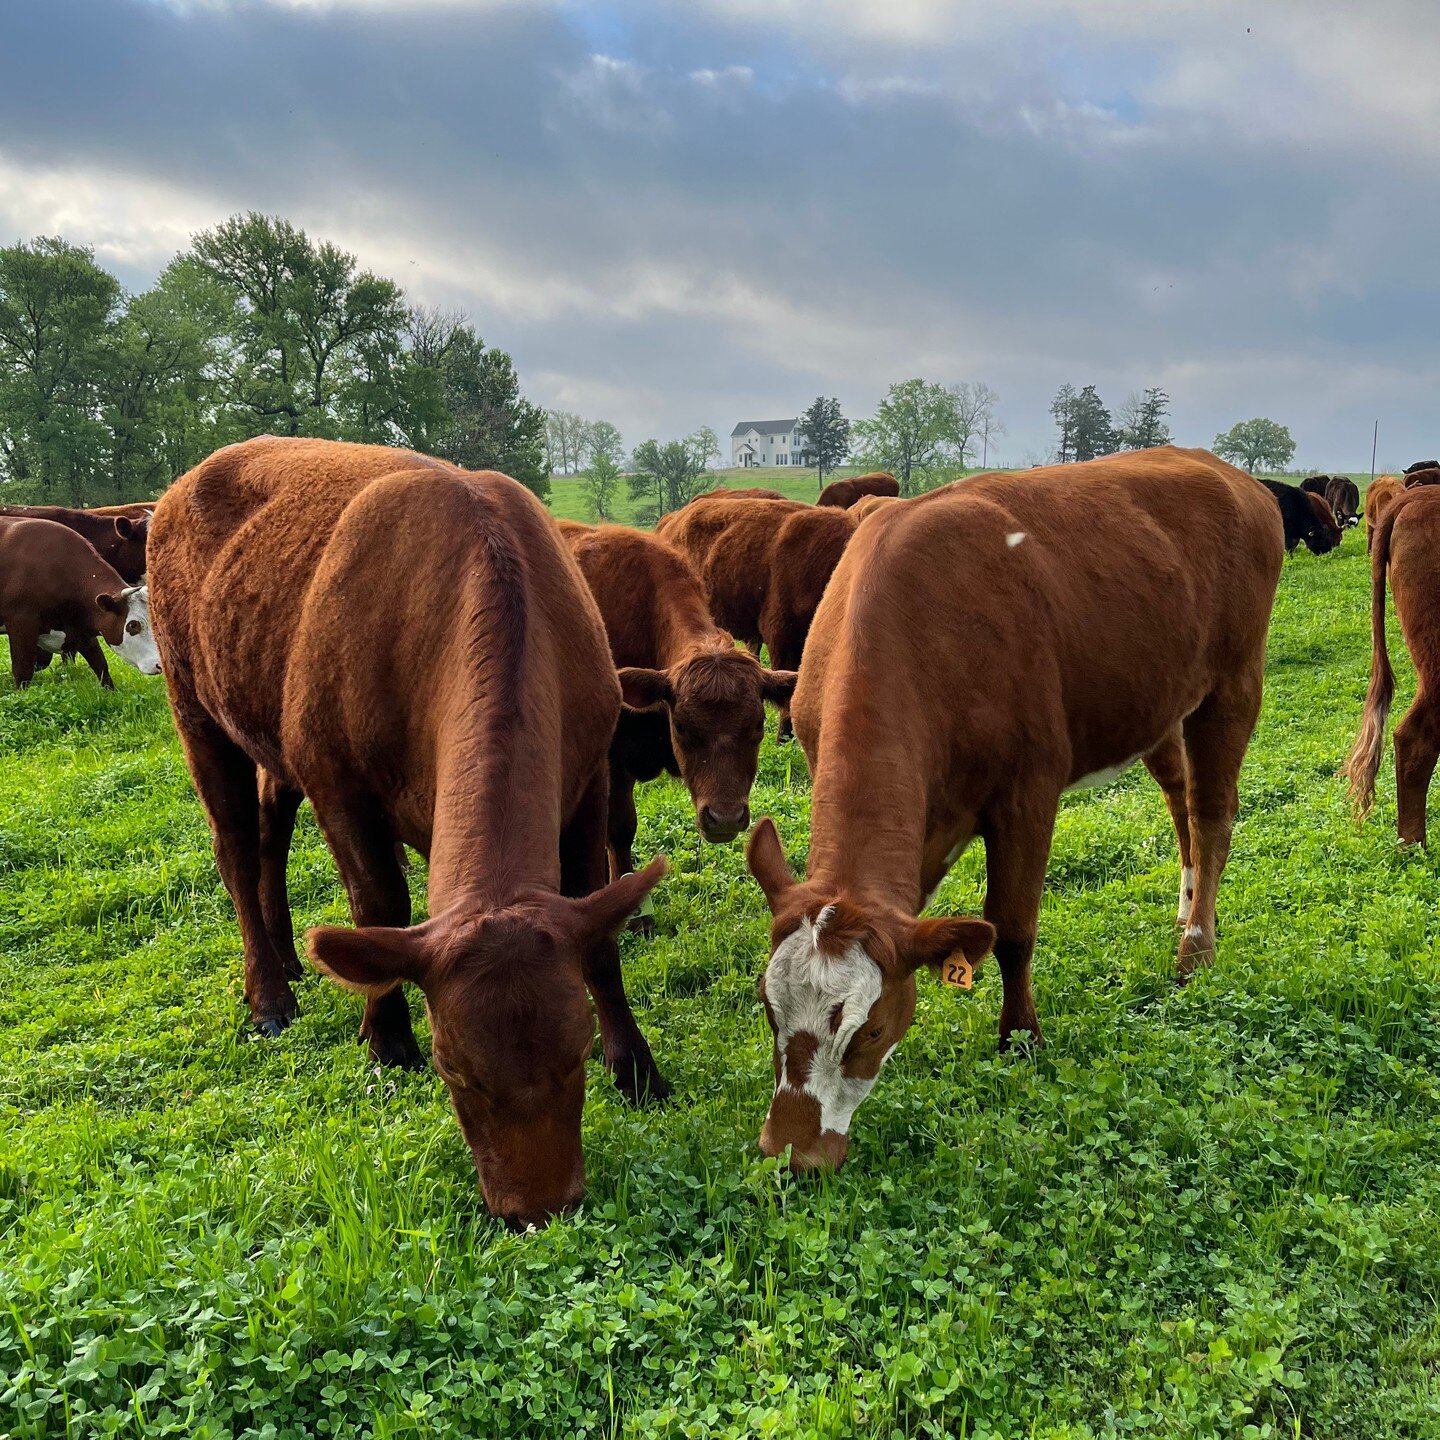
[[1102, 777], [1014, 538], [137, 640], [1187, 894], [52, 641], [803, 987]]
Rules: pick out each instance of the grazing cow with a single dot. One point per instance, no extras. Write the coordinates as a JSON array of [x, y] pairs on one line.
[[981, 649], [57, 594], [764, 565], [119, 540], [869, 504], [696, 703], [743, 492], [411, 647], [844, 493], [1407, 544], [1306, 518], [1383, 489], [1315, 484]]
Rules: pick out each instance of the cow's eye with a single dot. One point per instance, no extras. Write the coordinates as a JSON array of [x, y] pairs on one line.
[[133, 628]]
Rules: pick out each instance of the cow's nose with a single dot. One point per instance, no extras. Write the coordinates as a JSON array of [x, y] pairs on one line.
[[721, 825]]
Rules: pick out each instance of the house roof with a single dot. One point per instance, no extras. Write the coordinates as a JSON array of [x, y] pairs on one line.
[[744, 425]]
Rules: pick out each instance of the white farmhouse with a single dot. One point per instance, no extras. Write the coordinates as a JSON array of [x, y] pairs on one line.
[[768, 442]]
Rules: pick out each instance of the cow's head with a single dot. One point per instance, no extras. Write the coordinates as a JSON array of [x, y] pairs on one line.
[[124, 621], [839, 993], [511, 1027], [1322, 534], [715, 702]]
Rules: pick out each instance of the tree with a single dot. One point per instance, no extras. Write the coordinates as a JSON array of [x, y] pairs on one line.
[[827, 436], [565, 434], [57, 308], [599, 484], [665, 477], [974, 405], [1062, 407], [488, 424], [1094, 431], [911, 434], [1256, 445], [1142, 420], [704, 446], [602, 438]]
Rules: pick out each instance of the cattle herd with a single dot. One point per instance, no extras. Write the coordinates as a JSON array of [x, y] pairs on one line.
[[433, 661]]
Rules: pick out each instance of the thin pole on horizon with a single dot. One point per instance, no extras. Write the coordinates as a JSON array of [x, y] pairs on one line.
[[1374, 442]]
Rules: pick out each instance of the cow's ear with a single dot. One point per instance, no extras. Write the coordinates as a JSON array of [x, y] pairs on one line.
[[778, 686], [371, 958], [124, 526], [643, 689], [115, 604], [766, 858], [933, 941], [604, 911]]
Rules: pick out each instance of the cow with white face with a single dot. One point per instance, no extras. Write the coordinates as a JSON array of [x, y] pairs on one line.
[[839, 993], [127, 627]]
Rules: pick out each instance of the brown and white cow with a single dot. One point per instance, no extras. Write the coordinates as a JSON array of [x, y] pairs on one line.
[[696, 704], [764, 565], [844, 493], [1383, 489], [119, 539], [1407, 544], [411, 647], [57, 594], [982, 649]]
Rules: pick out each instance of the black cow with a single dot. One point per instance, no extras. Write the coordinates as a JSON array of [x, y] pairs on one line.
[[1307, 518]]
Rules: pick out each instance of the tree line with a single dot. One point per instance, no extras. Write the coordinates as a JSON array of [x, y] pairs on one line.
[[255, 328]]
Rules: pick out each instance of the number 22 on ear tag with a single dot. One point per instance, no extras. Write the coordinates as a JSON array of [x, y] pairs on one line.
[[957, 971]]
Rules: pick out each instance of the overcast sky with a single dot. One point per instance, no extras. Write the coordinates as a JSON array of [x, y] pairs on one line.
[[685, 214]]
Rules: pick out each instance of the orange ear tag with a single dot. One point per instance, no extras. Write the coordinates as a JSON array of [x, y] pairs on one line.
[[957, 971]]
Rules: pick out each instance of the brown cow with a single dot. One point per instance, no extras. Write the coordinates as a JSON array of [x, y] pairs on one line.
[[1383, 489], [980, 650], [869, 504], [411, 647], [764, 565], [1407, 543], [844, 493], [742, 492], [119, 540], [57, 593], [697, 704]]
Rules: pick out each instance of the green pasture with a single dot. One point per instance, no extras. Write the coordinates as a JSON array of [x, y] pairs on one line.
[[1208, 1212]]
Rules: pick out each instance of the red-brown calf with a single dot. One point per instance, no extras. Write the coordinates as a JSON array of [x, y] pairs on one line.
[[697, 704], [119, 539], [411, 647], [980, 650], [844, 493]]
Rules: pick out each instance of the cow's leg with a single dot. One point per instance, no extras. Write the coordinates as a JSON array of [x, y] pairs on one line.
[[785, 640], [365, 853], [278, 807], [1166, 762], [224, 778], [24, 632], [1017, 848], [1216, 735], [1417, 746], [582, 871], [621, 824], [89, 647]]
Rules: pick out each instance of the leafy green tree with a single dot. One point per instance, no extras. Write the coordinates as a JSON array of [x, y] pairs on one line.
[[665, 477], [912, 433], [599, 484], [1142, 420], [705, 446], [602, 438], [1094, 430], [1063, 408], [565, 434], [57, 308], [827, 436], [1256, 445]]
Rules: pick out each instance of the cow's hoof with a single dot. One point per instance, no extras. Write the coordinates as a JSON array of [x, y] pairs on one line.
[[398, 1052], [640, 1081], [270, 1026]]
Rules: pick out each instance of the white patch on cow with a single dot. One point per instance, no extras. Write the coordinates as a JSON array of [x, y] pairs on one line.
[[1102, 777], [137, 640], [52, 641], [1187, 894], [1195, 932], [804, 986], [1014, 538]]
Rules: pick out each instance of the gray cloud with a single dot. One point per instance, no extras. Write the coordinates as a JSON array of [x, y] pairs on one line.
[[673, 221]]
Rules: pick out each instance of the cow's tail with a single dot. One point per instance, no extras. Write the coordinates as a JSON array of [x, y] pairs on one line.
[[1364, 763]]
